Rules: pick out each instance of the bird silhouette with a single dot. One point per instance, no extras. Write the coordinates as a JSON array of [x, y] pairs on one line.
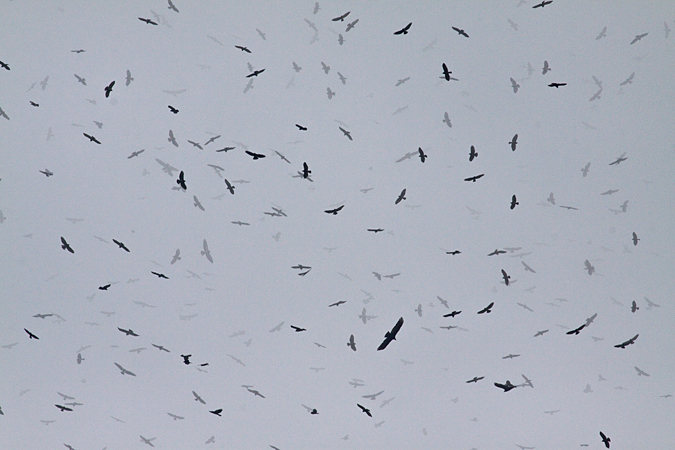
[[403, 30], [391, 335]]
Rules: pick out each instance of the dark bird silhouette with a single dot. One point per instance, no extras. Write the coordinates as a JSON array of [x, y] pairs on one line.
[[452, 314], [514, 202], [173, 110], [487, 309], [634, 307], [34, 104], [305, 170], [4, 65], [161, 348], [80, 79], [128, 332], [514, 142], [229, 186], [196, 144], [254, 155], [460, 32], [63, 408], [255, 73], [540, 333], [338, 303], [446, 72], [496, 252], [454, 252], [217, 412], [638, 38], [351, 344], [474, 178], [635, 238], [514, 85], [391, 335], [589, 267], [186, 360], [404, 30], [365, 410], [346, 133], [243, 49], [181, 180], [66, 246], [557, 85], [473, 154], [31, 335], [475, 380], [42, 316], [334, 211], [605, 439], [619, 160], [576, 330], [628, 342], [104, 288], [172, 6], [505, 277], [108, 89], [121, 245], [298, 329], [506, 386], [159, 275], [542, 4], [148, 21], [125, 371], [375, 230], [92, 138], [341, 18], [423, 156], [400, 198], [300, 127]]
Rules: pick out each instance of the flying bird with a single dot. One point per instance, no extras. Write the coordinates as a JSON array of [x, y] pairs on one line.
[[172, 109], [254, 155], [148, 21], [628, 342], [128, 332], [619, 160], [446, 72], [206, 252], [514, 142], [473, 154], [66, 246], [243, 49], [172, 139], [305, 170], [338, 303], [576, 330], [635, 238], [198, 398], [186, 359], [401, 197], [108, 89], [125, 371], [298, 329], [351, 344], [135, 153], [404, 30], [181, 180], [31, 335], [63, 408], [540, 333], [147, 441], [217, 412], [641, 372], [460, 32], [92, 138], [546, 68], [452, 314], [584, 170], [628, 80], [487, 309], [159, 275], [446, 119], [474, 178], [325, 68], [454, 252], [505, 277], [589, 267], [365, 410], [104, 288], [346, 133], [229, 186], [638, 38], [197, 203], [602, 34], [129, 78], [475, 380], [341, 18], [542, 4], [557, 85], [334, 211], [330, 93], [161, 348], [514, 202], [255, 73], [172, 6], [605, 439], [121, 245], [391, 335], [80, 79], [514, 85], [506, 386]]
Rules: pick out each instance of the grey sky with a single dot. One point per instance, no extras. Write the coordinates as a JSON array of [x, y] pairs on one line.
[[225, 312]]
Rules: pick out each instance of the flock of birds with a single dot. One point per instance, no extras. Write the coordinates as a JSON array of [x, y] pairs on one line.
[[183, 183]]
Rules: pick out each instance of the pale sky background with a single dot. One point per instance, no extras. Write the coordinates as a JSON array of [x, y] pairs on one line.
[[227, 310]]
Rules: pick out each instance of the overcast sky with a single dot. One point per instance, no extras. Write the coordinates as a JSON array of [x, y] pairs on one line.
[[236, 312]]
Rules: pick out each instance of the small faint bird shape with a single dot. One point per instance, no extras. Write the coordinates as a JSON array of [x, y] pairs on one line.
[[638, 38], [514, 85]]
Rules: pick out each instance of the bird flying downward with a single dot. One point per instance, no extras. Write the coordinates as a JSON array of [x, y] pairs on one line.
[[108, 89], [351, 344], [605, 439], [446, 72], [401, 197], [391, 335], [346, 133], [66, 246], [628, 342], [365, 410], [92, 138], [635, 238], [403, 30], [334, 211], [460, 31], [514, 142], [423, 156], [487, 309]]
